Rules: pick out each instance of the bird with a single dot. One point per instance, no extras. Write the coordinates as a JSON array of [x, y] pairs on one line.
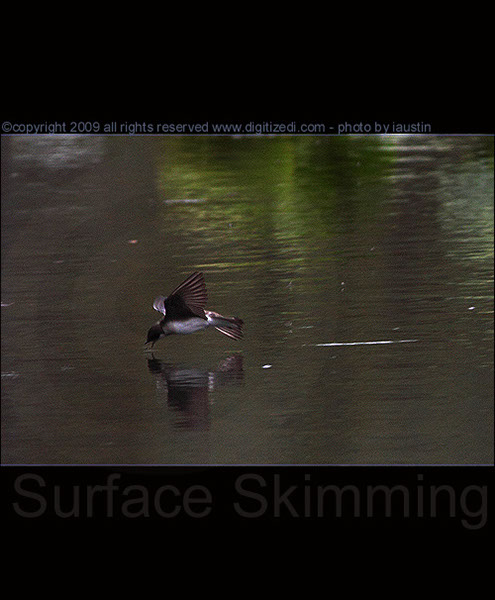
[[184, 312]]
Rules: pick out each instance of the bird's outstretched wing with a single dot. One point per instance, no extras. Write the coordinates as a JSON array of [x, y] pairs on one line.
[[189, 295]]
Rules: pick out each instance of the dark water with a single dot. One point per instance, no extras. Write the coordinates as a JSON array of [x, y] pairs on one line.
[[319, 244]]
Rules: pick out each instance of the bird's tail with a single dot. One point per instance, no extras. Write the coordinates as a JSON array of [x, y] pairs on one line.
[[229, 326]]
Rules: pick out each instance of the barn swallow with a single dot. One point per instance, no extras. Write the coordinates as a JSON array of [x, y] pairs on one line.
[[184, 312]]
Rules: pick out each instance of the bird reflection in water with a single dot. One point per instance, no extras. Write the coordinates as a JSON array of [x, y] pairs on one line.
[[186, 388]]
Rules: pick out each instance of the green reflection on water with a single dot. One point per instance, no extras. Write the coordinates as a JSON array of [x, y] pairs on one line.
[[299, 187]]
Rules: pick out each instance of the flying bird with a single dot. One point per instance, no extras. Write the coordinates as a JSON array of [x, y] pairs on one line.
[[184, 312]]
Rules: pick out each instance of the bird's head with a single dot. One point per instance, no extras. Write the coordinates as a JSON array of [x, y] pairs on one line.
[[154, 334]]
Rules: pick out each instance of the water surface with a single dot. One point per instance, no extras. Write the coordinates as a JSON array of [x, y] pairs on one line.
[[362, 267]]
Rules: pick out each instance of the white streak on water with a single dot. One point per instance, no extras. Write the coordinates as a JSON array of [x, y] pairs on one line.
[[368, 343]]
